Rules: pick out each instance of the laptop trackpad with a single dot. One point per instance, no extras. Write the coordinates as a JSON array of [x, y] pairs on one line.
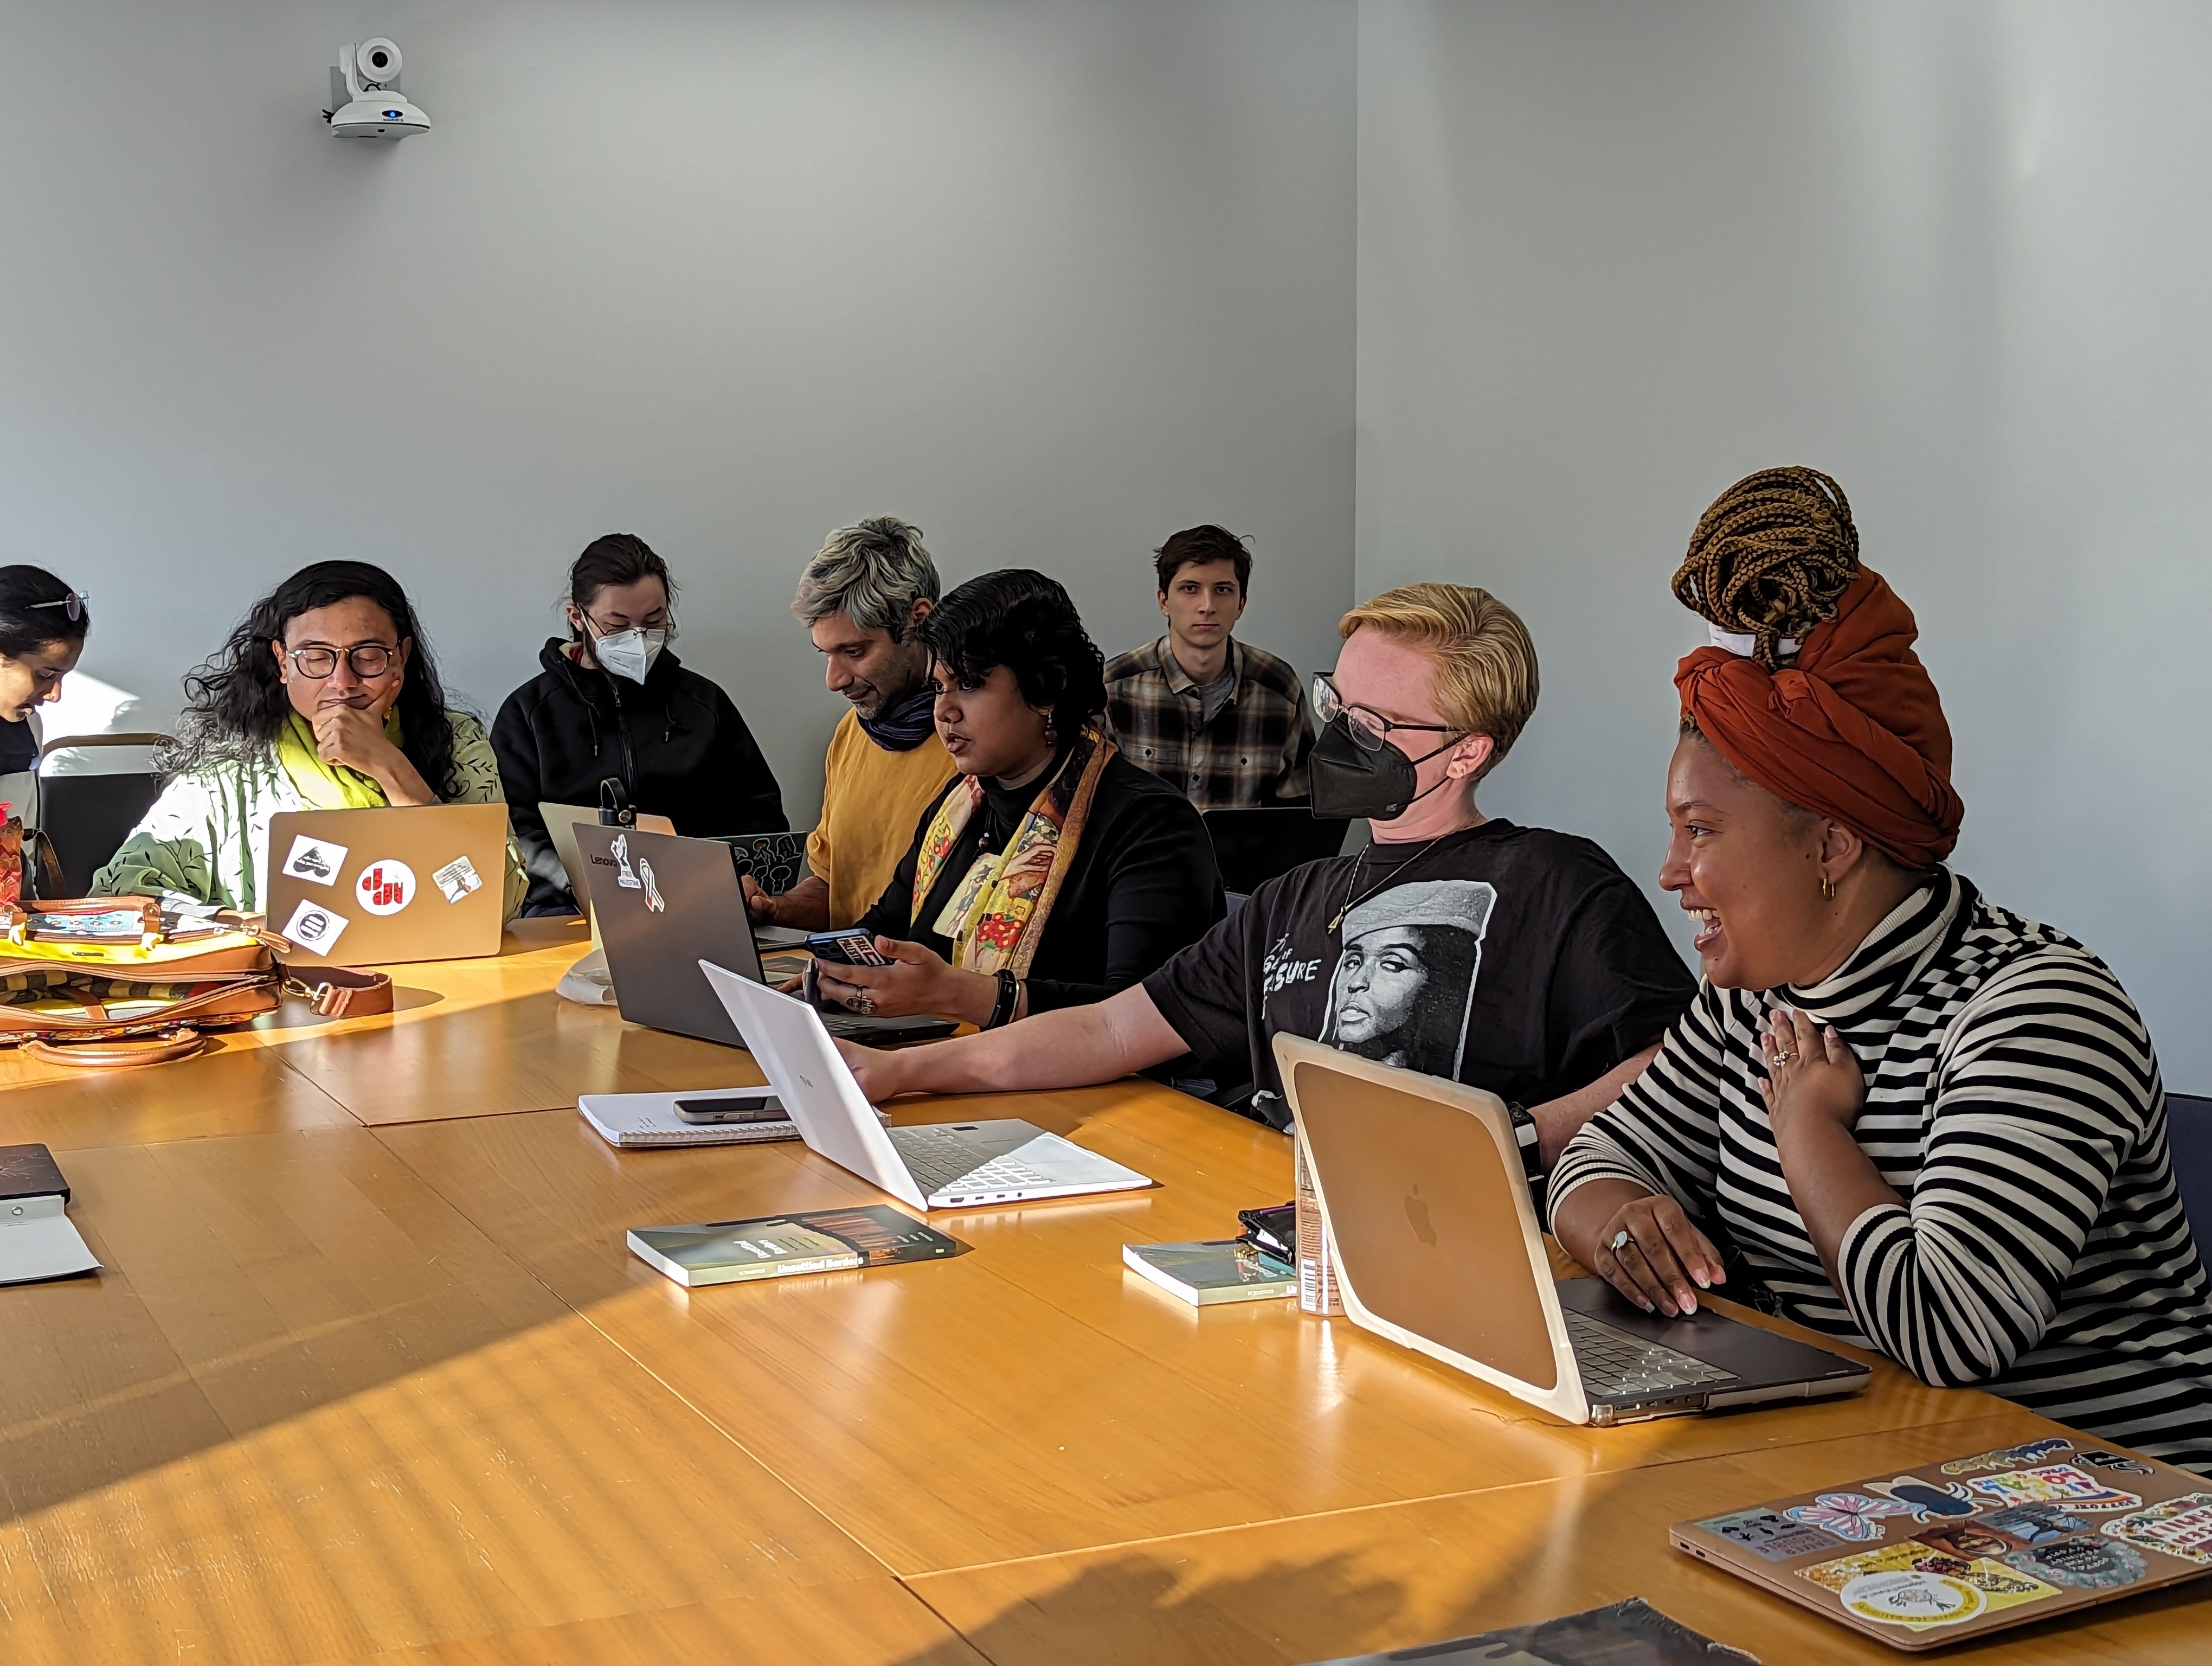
[[1746, 1351]]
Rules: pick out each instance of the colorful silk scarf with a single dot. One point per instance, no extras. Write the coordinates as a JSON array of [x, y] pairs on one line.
[[997, 914]]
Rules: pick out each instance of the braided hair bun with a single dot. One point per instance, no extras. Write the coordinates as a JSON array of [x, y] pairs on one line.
[[1771, 557]]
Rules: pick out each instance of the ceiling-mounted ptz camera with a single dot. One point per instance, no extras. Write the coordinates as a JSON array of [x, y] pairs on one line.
[[365, 98]]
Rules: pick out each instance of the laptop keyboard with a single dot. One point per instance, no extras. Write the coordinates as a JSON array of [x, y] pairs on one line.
[[1616, 1365], [936, 1157]]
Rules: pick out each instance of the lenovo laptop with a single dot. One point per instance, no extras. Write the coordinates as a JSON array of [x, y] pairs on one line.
[[937, 1166], [662, 904], [1424, 1202], [373, 887], [561, 823]]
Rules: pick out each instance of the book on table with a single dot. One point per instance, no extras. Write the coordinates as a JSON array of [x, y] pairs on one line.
[[783, 1246], [38, 1240], [1213, 1271]]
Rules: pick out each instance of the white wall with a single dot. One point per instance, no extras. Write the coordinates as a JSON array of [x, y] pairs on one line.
[[1614, 256], [1049, 279]]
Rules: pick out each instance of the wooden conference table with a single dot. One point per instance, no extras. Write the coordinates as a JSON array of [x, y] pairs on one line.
[[371, 1374]]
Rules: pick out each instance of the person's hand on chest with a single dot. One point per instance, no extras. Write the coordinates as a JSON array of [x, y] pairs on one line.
[[1811, 1072]]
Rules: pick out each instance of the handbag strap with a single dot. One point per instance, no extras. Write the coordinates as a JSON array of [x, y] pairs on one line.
[[339, 992], [119, 1052]]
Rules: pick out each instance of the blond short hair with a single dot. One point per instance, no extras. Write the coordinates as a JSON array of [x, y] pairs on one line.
[[1485, 675]]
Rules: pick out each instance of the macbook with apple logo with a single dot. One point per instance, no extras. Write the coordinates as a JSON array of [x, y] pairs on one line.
[[1438, 1248]]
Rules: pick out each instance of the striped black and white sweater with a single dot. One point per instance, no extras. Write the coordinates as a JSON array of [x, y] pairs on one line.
[[2013, 1102]]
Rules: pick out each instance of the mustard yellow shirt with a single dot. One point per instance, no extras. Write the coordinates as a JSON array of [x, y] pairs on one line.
[[871, 801]]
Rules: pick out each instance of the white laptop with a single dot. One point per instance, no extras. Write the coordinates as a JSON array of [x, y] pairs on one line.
[[937, 1166]]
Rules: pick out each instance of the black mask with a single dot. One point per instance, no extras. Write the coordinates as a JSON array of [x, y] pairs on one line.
[[1348, 779]]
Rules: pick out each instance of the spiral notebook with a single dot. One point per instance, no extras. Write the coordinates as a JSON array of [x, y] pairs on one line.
[[650, 1119]]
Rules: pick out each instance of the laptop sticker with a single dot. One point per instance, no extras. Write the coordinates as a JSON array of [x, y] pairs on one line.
[[1969, 1540], [2116, 1461], [655, 902], [1765, 1533], [2055, 1483], [2180, 1527], [1926, 1501], [2084, 1564], [1930, 1597], [620, 851], [1848, 1515], [1914, 1600], [315, 861], [384, 887], [458, 879], [2007, 1456], [2034, 1524], [315, 928]]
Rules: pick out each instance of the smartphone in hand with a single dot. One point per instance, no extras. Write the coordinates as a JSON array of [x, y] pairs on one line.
[[735, 1109], [851, 946]]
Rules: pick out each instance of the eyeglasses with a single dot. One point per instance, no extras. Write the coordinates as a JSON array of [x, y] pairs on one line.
[[369, 660], [72, 605], [1368, 730]]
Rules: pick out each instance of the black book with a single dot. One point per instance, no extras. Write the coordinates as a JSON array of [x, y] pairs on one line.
[[29, 1171]]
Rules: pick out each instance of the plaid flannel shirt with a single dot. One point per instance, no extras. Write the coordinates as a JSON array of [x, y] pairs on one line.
[[1253, 752]]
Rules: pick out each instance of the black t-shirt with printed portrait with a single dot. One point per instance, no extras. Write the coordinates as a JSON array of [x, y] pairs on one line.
[[1512, 958]]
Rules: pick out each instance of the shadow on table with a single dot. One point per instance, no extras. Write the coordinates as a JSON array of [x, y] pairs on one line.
[[1138, 1610]]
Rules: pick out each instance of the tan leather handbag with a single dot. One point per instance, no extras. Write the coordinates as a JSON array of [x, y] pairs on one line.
[[107, 981]]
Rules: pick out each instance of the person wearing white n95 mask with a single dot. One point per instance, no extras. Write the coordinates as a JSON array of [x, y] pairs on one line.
[[612, 702], [627, 653]]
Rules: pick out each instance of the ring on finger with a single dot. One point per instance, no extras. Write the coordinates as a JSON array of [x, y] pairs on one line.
[[1780, 1056], [1619, 1241]]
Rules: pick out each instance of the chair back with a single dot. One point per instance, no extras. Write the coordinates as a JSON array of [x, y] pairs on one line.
[[2189, 1133], [88, 817]]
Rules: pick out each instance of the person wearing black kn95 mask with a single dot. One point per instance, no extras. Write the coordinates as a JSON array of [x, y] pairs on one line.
[[1513, 958]]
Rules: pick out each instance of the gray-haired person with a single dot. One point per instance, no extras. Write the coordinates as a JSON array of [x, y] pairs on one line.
[[860, 598]]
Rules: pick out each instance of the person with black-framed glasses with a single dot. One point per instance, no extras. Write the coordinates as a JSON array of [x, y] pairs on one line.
[[325, 697], [1457, 944], [43, 625]]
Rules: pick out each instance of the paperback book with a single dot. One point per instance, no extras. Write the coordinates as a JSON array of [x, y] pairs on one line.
[[783, 1246], [1213, 1271]]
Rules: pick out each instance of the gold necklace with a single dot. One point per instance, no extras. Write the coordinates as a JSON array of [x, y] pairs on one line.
[[1390, 878]]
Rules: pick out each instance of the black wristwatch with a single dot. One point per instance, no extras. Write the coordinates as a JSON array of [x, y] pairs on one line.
[[1531, 1143], [1010, 994]]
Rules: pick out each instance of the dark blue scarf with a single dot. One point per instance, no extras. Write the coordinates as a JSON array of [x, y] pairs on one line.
[[905, 726]]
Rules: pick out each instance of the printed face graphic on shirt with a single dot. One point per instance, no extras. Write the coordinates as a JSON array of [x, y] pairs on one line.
[[1405, 978]]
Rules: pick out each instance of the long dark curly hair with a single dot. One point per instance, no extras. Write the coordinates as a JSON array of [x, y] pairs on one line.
[[236, 703]]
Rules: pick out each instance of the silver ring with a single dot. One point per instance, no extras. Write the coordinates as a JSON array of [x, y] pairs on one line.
[[862, 1004], [1783, 1056], [1620, 1240]]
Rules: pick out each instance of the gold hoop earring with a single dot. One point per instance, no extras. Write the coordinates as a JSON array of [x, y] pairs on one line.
[[1827, 889]]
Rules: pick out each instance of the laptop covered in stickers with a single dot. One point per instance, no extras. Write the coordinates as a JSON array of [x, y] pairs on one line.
[[376, 887], [1962, 1547]]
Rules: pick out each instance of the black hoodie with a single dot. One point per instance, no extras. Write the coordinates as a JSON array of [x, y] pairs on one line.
[[676, 743]]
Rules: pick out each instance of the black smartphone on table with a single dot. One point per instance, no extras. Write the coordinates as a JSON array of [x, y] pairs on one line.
[[732, 1109], [853, 946]]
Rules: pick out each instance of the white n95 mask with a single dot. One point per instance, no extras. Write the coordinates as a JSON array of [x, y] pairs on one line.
[[630, 653]]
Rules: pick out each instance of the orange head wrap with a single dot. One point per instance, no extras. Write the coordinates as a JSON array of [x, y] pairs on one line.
[[1853, 728]]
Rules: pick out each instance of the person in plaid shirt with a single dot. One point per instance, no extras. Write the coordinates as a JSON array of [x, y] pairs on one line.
[[1225, 723]]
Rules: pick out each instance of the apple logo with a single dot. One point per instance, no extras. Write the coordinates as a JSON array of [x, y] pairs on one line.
[[1417, 1212]]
